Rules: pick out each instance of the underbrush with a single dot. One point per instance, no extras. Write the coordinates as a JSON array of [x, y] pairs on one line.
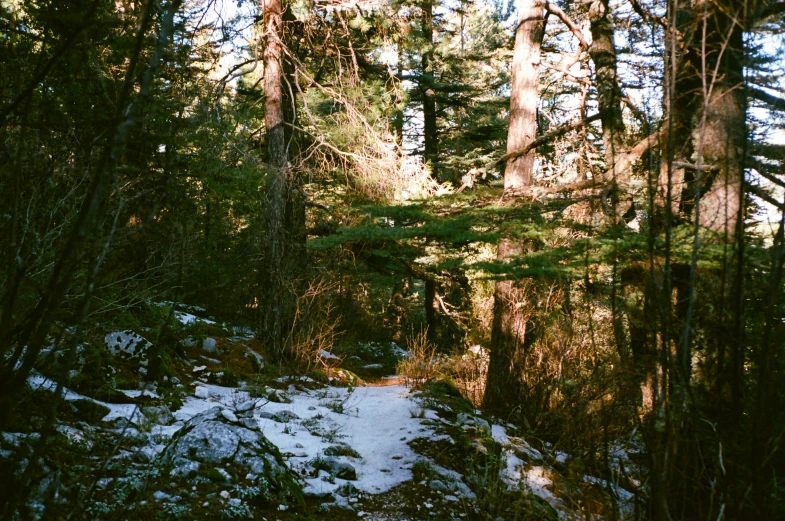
[[423, 364]]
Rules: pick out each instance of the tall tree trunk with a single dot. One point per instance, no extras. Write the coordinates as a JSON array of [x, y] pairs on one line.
[[427, 85], [708, 114], [609, 95], [399, 114], [513, 328], [285, 204]]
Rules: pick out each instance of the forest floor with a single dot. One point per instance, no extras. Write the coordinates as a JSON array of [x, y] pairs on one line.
[[352, 447]]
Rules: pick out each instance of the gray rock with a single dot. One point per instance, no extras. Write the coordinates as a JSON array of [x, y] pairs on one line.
[[285, 416], [202, 392], [438, 486], [175, 380], [340, 469], [246, 406], [209, 345], [461, 489], [210, 439], [474, 421], [158, 415], [229, 415], [160, 495], [250, 423]]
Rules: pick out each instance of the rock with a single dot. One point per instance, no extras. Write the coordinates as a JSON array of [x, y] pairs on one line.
[[278, 397], [246, 406], [250, 423], [160, 495], [209, 441], [225, 494], [123, 423], [140, 457], [189, 342], [175, 380], [127, 343], [461, 489], [202, 392], [340, 469], [285, 416], [474, 421], [209, 345], [229, 415], [438, 486], [311, 491], [158, 415]]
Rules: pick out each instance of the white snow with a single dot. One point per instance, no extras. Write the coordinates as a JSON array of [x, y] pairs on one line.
[[188, 318], [327, 355], [131, 393], [126, 342], [116, 410], [376, 422]]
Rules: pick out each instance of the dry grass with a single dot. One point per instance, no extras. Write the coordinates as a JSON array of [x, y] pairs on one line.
[[422, 364], [314, 327]]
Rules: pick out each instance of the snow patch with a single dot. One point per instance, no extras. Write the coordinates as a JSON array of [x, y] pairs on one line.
[[116, 410]]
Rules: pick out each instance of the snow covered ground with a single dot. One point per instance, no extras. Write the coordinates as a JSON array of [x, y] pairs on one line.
[[376, 422]]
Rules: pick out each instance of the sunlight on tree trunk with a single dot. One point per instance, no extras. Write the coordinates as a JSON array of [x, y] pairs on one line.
[[512, 328]]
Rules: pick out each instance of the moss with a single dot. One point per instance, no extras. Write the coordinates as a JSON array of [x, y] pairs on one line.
[[213, 475], [443, 391]]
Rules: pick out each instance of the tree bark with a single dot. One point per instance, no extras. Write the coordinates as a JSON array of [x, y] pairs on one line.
[[519, 171], [427, 84], [284, 242], [708, 115], [609, 95], [513, 328]]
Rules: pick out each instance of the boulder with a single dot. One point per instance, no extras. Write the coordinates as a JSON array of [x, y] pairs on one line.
[[438, 486], [474, 421], [209, 345], [211, 441], [340, 469], [159, 415]]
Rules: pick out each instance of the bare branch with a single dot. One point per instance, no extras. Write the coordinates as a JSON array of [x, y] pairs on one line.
[[637, 151], [646, 15], [561, 15], [547, 138]]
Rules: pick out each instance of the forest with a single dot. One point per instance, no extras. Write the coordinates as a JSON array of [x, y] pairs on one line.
[[392, 260]]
